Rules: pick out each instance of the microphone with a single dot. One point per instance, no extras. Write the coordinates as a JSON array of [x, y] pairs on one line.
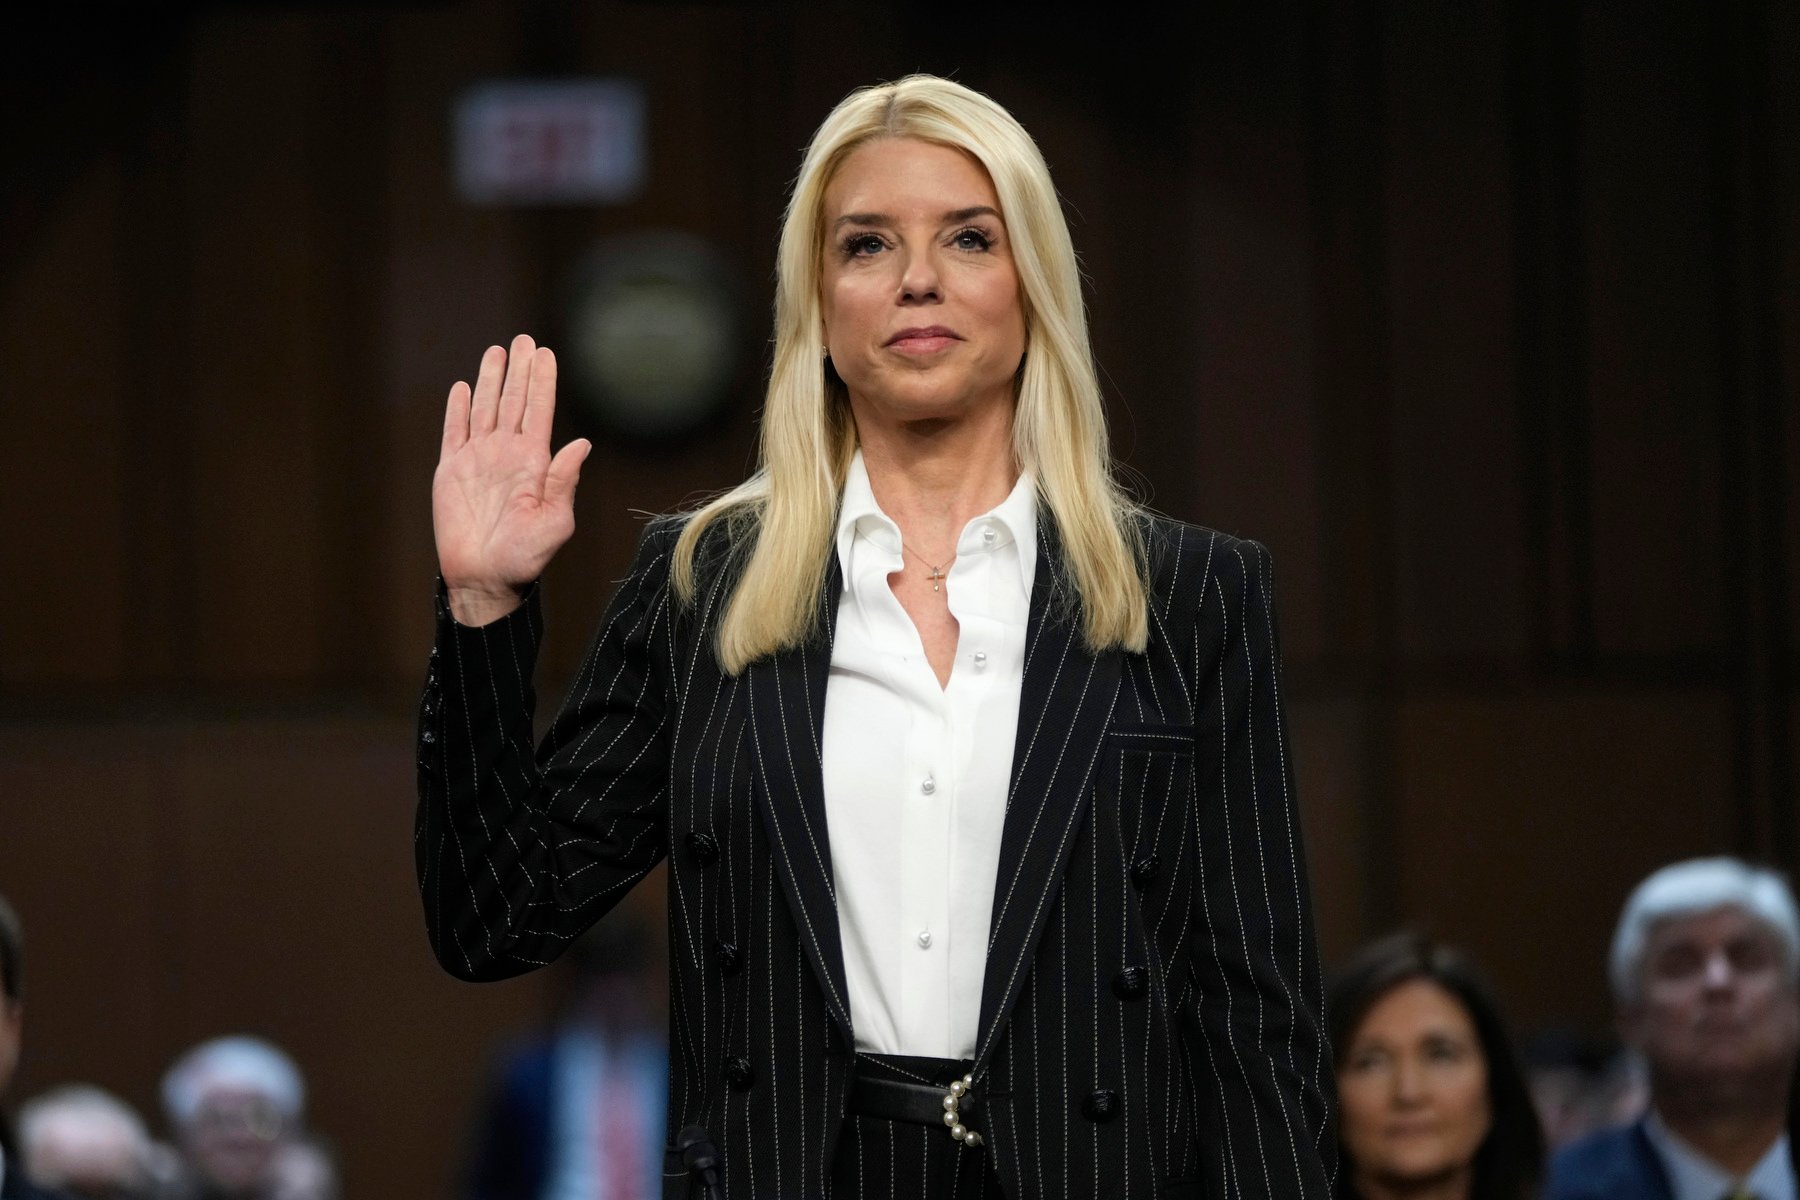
[[701, 1158]]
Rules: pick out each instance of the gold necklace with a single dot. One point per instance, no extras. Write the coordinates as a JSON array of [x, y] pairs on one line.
[[937, 572]]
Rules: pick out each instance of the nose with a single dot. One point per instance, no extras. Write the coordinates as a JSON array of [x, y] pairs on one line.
[[1717, 973], [1409, 1082], [919, 281]]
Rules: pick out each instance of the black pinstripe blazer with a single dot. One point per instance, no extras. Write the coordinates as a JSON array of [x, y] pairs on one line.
[[1150, 1020]]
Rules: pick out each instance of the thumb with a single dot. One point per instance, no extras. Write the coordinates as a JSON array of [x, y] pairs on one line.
[[565, 472]]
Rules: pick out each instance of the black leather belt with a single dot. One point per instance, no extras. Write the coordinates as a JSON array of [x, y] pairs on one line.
[[917, 1104]]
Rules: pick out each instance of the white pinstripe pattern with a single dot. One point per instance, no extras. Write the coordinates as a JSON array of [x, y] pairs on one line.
[[1219, 1066]]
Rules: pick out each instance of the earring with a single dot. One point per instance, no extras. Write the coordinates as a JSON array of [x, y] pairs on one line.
[[825, 352]]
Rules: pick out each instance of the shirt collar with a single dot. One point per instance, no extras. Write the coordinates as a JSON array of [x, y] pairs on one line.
[[1013, 520], [1693, 1176]]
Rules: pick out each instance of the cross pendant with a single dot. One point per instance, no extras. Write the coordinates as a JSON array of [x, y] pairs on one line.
[[937, 573]]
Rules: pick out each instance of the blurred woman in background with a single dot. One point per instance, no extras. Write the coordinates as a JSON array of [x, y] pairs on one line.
[[1432, 1103]]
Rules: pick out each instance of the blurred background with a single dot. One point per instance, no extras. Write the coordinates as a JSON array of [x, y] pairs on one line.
[[1484, 317]]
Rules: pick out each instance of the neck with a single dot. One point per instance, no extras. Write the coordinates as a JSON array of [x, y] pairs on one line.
[[932, 478], [1451, 1185], [1732, 1138]]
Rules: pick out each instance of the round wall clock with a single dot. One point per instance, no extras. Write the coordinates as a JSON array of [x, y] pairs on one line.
[[651, 339]]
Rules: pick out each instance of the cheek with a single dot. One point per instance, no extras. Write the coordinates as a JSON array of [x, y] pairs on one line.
[[1468, 1108], [1769, 993], [843, 302], [1003, 307], [1362, 1103]]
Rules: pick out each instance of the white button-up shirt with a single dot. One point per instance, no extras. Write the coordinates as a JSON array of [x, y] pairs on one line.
[[916, 774], [1693, 1176]]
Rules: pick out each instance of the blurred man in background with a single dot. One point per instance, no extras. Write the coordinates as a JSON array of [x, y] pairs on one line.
[[577, 1112], [1705, 970], [13, 1183], [235, 1105], [90, 1144]]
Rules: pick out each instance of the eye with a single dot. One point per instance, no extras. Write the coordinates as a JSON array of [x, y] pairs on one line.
[[1679, 962], [972, 239], [1444, 1051], [1750, 954], [862, 245]]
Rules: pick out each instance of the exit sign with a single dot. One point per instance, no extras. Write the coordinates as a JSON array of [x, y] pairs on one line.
[[570, 142]]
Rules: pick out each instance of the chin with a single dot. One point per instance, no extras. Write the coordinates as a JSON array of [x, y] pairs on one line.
[[930, 400], [1408, 1171]]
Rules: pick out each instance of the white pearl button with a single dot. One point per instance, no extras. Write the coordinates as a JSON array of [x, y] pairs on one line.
[[928, 786], [988, 535], [924, 939], [980, 659]]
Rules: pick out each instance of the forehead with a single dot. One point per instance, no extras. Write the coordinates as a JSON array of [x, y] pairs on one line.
[[1715, 926], [898, 176], [1415, 1009]]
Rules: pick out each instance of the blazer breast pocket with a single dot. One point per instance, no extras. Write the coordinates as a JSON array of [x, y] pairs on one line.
[[1149, 774]]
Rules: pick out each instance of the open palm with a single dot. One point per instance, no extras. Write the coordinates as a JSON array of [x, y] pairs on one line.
[[501, 504]]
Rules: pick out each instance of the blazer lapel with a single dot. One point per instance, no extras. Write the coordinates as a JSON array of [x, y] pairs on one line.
[[1065, 706], [787, 712]]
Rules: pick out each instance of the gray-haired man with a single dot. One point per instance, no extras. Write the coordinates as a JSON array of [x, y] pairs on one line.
[[1705, 965]]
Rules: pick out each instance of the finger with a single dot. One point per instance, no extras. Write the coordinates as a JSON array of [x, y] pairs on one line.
[[486, 402], [540, 396], [565, 472], [456, 418], [518, 377]]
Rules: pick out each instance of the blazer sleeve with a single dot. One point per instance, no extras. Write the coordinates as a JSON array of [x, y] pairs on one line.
[[518, 853], [1255, 959]]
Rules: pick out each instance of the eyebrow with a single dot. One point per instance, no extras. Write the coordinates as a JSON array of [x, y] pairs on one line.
[[950, 218]]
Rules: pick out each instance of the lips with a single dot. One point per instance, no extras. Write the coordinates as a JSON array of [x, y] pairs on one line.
[[922, 339], [1412, 1129]]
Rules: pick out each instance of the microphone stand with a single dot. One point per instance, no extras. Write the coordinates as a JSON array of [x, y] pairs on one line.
[[701, 1158]]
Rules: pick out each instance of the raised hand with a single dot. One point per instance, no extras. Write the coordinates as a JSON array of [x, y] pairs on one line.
[[501, 505]]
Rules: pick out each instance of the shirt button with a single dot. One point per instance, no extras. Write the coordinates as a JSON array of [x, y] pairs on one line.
[[980, 659], [924, 939], [988, 535], [928, 786]]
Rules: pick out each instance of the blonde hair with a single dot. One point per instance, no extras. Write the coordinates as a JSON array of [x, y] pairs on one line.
[[782, 519]]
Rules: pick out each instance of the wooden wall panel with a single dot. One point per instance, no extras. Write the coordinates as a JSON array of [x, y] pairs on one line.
[[258, 544], [1251, 411], [1329, 740], [1525, 819], [62, 488], [84, 858], [453, 283], [1650, 181], [1459, 537], [1782, 74], [301, 921], [188, 880]]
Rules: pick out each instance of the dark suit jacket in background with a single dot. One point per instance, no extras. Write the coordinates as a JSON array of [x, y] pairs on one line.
[[1615, 1164], [15, 1186], [1150, 1014]]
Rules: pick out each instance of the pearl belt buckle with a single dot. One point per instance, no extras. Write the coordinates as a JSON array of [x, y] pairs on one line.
[[953, 1118]]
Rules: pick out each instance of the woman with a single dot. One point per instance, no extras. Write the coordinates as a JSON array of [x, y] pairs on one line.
[[1433, 1105], [984, 865]]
